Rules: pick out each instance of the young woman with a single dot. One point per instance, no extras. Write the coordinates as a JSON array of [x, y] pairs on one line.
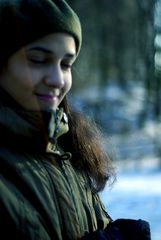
[[52, 165]]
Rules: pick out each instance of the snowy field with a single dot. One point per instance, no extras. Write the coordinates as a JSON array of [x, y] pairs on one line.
[[136, 195], [137, 191]]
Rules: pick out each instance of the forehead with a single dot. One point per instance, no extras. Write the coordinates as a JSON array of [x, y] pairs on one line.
[[59, 42]]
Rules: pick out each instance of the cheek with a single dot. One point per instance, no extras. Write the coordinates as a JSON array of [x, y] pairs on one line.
[[22, 73], [26, 78], [68, 83]]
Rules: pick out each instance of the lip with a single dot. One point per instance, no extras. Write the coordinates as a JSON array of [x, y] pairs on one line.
[[48, 98]]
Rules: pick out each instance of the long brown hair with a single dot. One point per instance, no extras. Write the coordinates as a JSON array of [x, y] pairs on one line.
[[84, 141]]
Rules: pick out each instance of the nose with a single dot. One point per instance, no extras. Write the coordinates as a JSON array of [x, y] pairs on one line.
[[54, 77]]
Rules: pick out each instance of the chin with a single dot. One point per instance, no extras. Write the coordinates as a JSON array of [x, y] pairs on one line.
[[47, 108]]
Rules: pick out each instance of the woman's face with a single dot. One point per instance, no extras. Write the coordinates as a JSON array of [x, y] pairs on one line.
[[38, 76]]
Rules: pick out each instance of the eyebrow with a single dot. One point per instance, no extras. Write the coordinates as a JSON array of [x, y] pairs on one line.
[[42, 49]]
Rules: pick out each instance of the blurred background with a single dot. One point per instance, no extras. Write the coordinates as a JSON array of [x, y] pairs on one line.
[[117, 82]]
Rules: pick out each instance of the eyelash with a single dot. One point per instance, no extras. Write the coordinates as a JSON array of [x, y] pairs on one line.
[[64, 66], [36, 61]]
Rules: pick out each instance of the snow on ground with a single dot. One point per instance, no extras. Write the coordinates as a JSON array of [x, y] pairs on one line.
[[136, 195], [137, 192]]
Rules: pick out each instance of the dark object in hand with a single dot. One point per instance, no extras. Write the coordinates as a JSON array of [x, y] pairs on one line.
[[122, 229]]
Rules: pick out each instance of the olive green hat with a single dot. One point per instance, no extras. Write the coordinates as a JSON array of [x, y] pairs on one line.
[[24, 21]]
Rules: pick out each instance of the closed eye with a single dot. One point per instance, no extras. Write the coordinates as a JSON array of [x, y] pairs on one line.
[[37, 57], [66, 66], [38, 60], [67, 62]]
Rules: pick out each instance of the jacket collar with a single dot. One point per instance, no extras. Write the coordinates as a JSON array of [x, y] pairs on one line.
[[29, 129]]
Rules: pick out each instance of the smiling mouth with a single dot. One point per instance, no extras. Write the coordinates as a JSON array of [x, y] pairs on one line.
[[51, 98]]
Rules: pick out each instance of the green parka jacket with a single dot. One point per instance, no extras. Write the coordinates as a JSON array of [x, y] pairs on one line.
[[41, 197]]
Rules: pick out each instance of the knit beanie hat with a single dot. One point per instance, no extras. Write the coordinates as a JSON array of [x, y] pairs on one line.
[[24, 21]]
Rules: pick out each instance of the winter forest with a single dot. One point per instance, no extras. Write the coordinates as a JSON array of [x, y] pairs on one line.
[[117, 82]]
